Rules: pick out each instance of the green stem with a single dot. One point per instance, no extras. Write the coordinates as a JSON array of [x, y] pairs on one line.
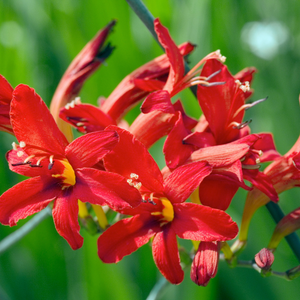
[[292, 239], [147, 18], [158, 287], [17, 235]]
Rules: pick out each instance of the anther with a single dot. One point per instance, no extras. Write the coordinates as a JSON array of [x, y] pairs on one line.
[[236, 125], [257, 161], [79, 124], [134, 176], [14, 146], [221, 57], [20, 153], [213, 75], [77, 100], [21, 163], [22, 144], [50, 166], [245, 87]]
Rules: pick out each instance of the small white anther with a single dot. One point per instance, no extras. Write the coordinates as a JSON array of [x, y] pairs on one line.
[[20, 153], [134, 176], [79, 124], [77, 100], [245, 87], [138, 185], [257, 161], [51, 159], [67, 106], [22, 144], [14, 146], [72, 104], [129, 181], [238, 82]]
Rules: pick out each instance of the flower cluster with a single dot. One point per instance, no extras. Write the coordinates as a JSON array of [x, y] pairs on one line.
[[109, 168]]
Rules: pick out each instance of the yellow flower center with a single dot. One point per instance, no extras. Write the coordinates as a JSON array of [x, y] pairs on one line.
[[167, 212], [67, 176]]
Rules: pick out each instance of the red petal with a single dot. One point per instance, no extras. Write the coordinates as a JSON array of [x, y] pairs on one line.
[[166, 255], [217, 192], [33, 123], [89, 149], [126, 94], [184, 180], [176, 152], [149, 128], [125, 237], [159, 100], [173, 53], [25, 199], [100, 187], [65, 216], [202, 223], [220, 103], [131, 156], [200, 139], [263, 183], [149, 85], [86, 117], [188, 122], [266, 144], [221, 155], [6, 91]]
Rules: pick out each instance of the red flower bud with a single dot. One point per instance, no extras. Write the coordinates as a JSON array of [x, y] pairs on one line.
[[264, 258]]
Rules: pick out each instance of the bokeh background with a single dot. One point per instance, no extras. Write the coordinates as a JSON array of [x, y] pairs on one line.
[[39, 38]]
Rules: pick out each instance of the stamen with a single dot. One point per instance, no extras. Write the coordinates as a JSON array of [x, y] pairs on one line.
[[237, 125], [257, 161], [77, 100], [39, 161], [28, 158], [134, 176], [250, 167], [50, 166], [213, 75], [21, 164], [20, 153], [129, 181], [14, 146], [79, 124], [221, 57], [22, 144], [248, 105], [245, 87]]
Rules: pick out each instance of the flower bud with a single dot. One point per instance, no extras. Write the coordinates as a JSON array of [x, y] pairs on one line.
[[205, 263], [264, 259]]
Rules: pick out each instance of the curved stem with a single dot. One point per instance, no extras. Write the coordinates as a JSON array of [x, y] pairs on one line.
[[292, 239], [17, 235]]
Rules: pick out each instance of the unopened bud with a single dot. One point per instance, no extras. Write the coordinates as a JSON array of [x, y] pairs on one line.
[[264, 259]]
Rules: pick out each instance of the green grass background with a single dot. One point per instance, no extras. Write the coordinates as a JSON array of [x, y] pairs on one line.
[[39, 38]]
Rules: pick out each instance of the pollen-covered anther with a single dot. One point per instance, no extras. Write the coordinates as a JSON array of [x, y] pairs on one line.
[[77, 100], [245, 87], [20, 153], [22, 144], [220, 56], [133, 181], [14, 146]]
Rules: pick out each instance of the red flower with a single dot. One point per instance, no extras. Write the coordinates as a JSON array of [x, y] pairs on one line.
[[5, 99], [60, 172], [163, 214], [84, 64], [130, 90]]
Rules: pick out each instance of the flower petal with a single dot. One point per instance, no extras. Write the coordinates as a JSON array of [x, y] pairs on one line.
[[33, 123], [125, 237], [100, 187], [25, 199], [89, 149], [65, 216], [184, 180], [6, 91], [159, 100], [86, 117], [173, 53], [131, 157], [202, 223], [166, 255]]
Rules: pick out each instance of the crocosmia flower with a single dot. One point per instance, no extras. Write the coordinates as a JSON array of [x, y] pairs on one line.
[[163, 214], [61, 172], [5, 99]]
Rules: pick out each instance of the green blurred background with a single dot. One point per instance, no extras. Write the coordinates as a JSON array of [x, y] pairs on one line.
[[39, 38]]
